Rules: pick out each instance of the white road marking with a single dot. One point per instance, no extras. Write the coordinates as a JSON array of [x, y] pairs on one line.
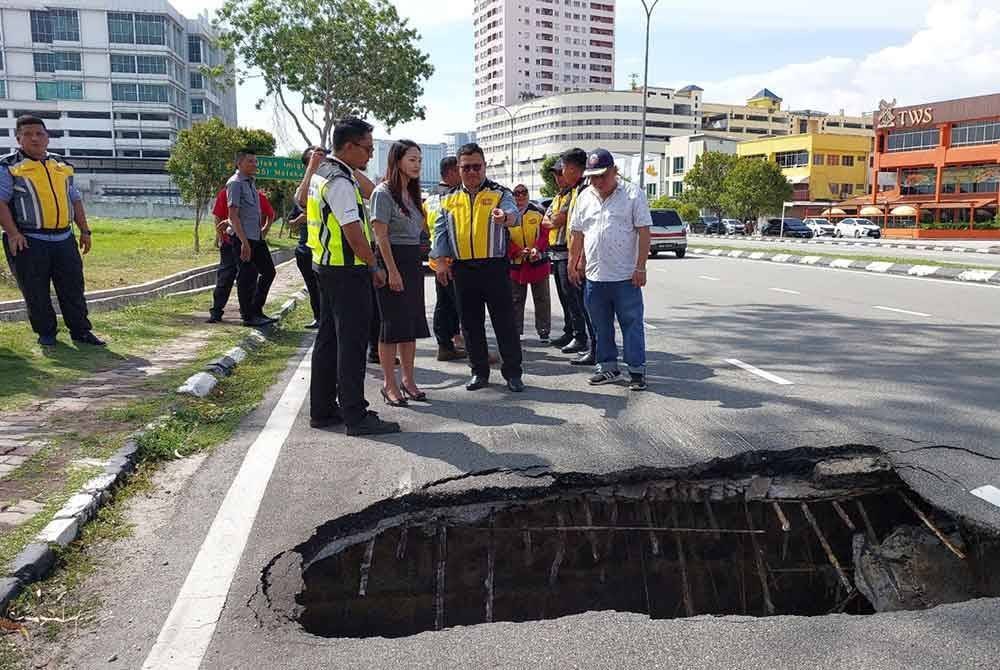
[[189, 627], [757, 371], [709, 278], [900, 311], [649, 325], [785, 290], [990, 494]]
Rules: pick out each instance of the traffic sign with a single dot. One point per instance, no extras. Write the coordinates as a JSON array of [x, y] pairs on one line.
[[278, 167]]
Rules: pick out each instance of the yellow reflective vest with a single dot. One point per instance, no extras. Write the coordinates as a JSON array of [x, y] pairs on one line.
[[565, 201], [464, 228], [326, 238], [526, 235], [41, 199]]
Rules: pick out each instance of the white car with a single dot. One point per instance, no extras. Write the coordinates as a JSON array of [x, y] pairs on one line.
[[820, 227], [734, 227], [857, 228]]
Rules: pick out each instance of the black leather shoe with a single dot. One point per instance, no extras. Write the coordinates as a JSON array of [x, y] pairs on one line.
[[372, 425], [515, 385], [477, 382], [575, 347], [561, 342], [257, 322], [584, 359], [214, 318], [326, 421], [91, 339]]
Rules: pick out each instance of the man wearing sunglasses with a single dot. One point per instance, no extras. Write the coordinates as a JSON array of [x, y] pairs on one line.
[[470, 248]]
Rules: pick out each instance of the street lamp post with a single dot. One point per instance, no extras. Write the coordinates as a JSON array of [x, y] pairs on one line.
[[649, 7], [514, 116]]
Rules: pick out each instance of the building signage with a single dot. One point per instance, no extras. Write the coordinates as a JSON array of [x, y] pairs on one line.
[[889, 117], [279, 167]]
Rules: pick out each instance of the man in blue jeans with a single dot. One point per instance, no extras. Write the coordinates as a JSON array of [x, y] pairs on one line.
[[610, 233]]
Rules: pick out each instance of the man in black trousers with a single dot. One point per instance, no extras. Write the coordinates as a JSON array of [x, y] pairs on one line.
[[447, 325]]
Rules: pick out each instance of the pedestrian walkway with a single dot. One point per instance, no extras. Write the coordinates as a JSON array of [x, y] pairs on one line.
[[53, 422]]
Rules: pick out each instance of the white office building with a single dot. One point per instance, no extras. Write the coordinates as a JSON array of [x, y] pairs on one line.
[[529, 48], [114, 80], [455, 140], [430, 172], [608, 119], [682, 153]]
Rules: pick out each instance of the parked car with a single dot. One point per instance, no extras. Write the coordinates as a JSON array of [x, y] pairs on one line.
[[789, 227], [734, 227], [704, 224], [858, 228], [715, 227], [820, 226], [668, 233]]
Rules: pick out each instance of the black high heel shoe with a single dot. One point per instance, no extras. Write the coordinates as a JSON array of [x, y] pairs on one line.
[[390, 402], [415, 397]]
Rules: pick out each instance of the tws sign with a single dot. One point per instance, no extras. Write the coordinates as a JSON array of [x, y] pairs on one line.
[[890, 117]]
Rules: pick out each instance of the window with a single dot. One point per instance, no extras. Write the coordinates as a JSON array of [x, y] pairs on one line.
[[197, 106], [151, 64], [847, 161], [150, 29], [978, 132], [970, 179], [127, 116], [678, 187], [122, 63], [124, 92], [155, 117], [918, 182], [787, 159], [913, 140], [678, 165], [155, 154], [197, 80], [58, 90], [3, 89], [153, 93], [120, 29], [819, 159], [127, 134], [55, 25], [153, 135], [91, 133], [58, 60], [194, 49], [88, 115], [832, 159]]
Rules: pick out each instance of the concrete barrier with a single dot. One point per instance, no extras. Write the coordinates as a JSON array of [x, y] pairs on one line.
[[109, 299]]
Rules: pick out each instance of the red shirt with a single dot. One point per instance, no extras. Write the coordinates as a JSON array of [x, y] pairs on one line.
[[221, 209]]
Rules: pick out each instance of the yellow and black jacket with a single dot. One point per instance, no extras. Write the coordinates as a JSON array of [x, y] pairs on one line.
[[464, 228], [41, 200], [529, 234], [326, 238], [565, 201]]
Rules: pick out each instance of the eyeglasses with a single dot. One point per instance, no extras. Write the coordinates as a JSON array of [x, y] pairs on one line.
[[520, 193], [471, 168], [370, 148]]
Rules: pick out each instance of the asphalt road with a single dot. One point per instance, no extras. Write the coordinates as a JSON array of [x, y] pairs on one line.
[[865, 248], [908, 366]]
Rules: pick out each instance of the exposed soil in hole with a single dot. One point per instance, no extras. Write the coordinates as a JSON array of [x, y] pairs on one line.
[[836, 535]]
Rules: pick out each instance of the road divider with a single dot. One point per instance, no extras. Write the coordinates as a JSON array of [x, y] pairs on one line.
[[847, 242]]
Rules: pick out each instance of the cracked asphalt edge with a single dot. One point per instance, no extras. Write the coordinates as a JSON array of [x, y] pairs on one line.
[[914, 270], [38, 559]]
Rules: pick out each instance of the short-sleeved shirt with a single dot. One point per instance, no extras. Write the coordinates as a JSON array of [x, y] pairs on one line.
[[221, 208], [241, 193], [404, 229], [341, 195], [610, 230]]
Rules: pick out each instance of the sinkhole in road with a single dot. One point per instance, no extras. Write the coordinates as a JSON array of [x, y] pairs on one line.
[[834, 535]]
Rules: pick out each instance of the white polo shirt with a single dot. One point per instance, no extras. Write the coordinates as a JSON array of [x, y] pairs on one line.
[[610, 230]]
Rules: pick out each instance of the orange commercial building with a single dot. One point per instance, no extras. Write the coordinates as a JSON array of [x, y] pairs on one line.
[[936, 169]]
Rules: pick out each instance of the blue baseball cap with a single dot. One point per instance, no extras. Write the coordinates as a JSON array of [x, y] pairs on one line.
[[598, 162]]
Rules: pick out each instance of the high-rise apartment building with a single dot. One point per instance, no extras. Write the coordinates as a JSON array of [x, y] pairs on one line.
[[535, 48], [114, 80]]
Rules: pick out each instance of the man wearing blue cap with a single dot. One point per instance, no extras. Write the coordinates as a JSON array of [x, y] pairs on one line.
[[610, 229]]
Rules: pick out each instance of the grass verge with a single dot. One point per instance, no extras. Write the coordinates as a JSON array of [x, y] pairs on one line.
[[48, 609], [133, 251], [853, 257]]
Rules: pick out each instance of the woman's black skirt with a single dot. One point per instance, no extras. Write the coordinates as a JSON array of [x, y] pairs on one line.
[[404, 318]]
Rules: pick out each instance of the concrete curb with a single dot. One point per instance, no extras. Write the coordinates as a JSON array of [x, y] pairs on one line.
[[842, 242], [202, 383], [196, 279], [966, 275], [36, 561]]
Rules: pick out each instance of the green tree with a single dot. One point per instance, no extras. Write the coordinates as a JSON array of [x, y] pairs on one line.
[[549, 188], [200, 162], [259, 141], [705, 182], [754, 187], [324, 59], [685, 210]]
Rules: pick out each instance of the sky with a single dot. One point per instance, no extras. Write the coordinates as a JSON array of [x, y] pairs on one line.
[[828, 56]]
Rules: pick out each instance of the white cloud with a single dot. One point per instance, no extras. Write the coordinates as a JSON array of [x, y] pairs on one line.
[[954, 54]]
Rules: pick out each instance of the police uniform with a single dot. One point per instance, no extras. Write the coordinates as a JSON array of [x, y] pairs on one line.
[[345, 287], [40, 195], [466, 236]]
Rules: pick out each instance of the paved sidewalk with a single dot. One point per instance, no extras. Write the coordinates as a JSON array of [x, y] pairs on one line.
[[74, 409]]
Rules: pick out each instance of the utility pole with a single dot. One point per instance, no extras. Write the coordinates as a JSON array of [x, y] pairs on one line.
[[649, 7], [513, 116]]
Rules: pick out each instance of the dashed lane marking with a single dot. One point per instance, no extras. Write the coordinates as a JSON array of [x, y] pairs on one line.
[[757, 371], [900, 311]]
